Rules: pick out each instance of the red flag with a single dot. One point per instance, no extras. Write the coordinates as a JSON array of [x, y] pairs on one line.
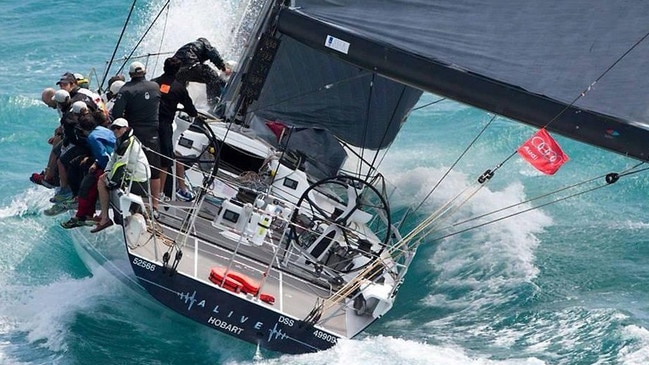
[[277, 127], [543, 152]]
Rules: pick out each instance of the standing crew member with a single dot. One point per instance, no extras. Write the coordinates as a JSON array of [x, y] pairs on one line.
[[173, 93], [139, 101]]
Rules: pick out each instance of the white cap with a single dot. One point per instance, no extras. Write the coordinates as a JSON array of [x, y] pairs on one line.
[[119, 122], [231, 64], [61, 96], [137, 68], [115, 86], [79, 106]]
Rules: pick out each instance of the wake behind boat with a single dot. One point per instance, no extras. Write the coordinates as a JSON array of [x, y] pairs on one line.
[[292, 242]]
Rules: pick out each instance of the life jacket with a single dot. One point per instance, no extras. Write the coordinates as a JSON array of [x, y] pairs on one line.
[[128, 161]]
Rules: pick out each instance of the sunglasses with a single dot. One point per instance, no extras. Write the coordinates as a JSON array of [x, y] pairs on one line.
[[115, 127]]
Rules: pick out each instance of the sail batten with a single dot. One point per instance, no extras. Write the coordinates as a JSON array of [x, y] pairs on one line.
[[526, 61]]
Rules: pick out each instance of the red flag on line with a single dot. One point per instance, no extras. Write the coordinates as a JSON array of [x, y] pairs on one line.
[[543, 152]]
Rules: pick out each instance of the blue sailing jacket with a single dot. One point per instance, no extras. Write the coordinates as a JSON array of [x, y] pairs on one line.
[[102, 144]]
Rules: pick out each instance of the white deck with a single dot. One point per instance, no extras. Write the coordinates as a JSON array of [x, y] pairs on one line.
[[295, 293]]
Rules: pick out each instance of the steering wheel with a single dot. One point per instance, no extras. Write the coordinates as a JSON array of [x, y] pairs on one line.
[[344, 209]]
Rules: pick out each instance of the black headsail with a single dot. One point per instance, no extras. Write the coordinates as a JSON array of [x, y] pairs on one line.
[[291, 82], [527, 60], [310, 88]]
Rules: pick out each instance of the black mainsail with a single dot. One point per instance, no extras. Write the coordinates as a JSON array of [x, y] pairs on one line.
[[529, 61]]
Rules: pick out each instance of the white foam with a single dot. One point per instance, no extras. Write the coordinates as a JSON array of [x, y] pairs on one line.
[[638, 353], [498, 252], [44, 313], [389, 350], [173, 29], [22, 227], [634, 225], [558, 335], [30, 201], [478, 269]]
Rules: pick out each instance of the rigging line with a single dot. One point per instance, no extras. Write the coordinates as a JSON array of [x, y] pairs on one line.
[[448, 171], [424, 226], [369, 270], [433, 227], [433, 221], [146, 55], [144, 35], [366, 272], [385, 133], [441, 211], [521, 212], [634, 172], [355, 284], [502, 163], [351, 150], [367, 120], [119, 40], [164, 32], [526, 201], [626, 172], [427, 105], [583, 93]]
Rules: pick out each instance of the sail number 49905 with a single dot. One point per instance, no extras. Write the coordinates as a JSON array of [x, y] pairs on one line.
[[325, 336], [144, 264]]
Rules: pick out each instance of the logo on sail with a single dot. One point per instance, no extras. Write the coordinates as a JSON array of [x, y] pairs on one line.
[[543, 152], [337, 44]]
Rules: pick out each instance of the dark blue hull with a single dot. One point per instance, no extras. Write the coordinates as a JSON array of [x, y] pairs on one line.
[[218, 309], [229, 313]]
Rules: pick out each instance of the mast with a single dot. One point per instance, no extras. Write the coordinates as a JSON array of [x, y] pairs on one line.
[[255, 61]]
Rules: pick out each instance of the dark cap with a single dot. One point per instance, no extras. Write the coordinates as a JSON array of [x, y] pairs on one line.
[[67, 78]]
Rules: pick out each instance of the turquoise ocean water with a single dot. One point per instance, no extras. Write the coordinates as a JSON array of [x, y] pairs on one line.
[[564, 284]]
